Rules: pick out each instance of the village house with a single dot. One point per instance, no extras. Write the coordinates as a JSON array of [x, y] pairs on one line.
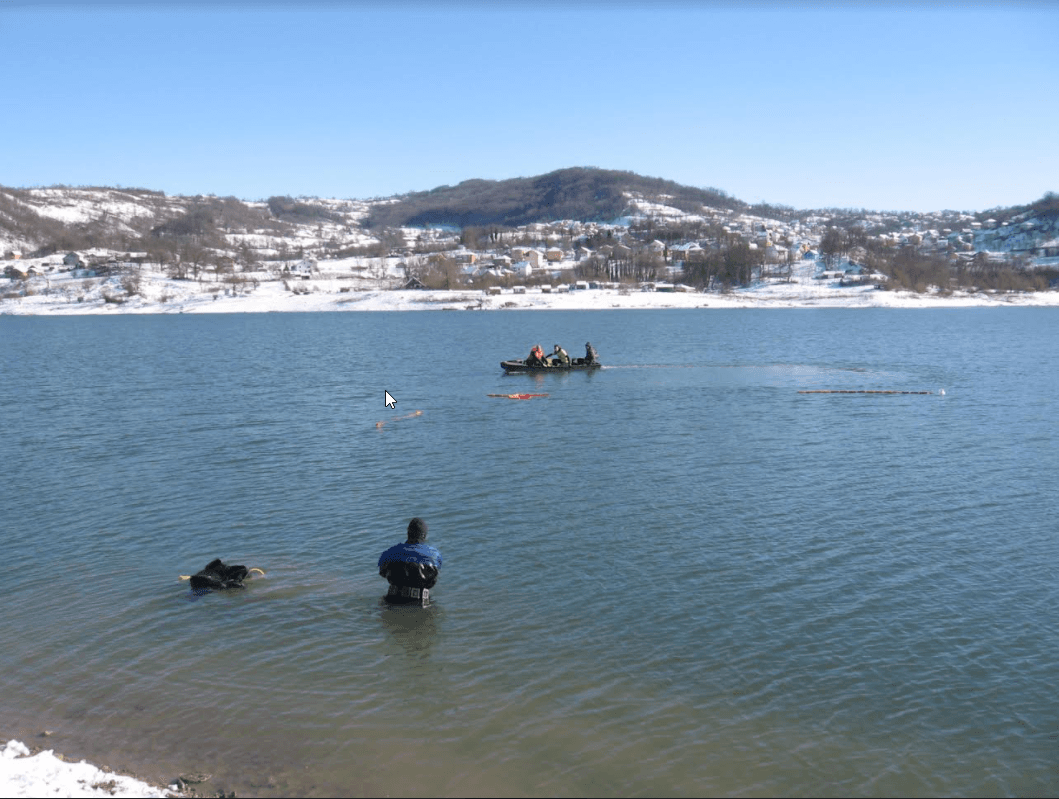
[[1048, 249], [775, 254], [529, 255], [303, 269]]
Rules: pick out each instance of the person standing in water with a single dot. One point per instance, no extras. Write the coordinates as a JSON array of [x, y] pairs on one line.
[[411, 568]]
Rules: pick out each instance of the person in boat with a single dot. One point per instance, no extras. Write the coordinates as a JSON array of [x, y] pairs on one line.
[[411, 568], [591, 356], [536, 357], [559, 357]]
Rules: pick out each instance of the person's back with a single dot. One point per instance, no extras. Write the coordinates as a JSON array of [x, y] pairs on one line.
[[411, 568]]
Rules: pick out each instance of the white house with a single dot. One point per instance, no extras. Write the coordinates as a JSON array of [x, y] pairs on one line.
[[304, 268]]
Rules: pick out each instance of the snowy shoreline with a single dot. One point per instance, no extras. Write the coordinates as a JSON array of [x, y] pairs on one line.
[[274, 298], [24, 773], [332, 287]]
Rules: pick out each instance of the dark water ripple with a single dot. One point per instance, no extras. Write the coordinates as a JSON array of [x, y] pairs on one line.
[[676, 575]]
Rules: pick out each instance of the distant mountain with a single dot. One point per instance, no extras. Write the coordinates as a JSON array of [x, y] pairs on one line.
[[579, 193]]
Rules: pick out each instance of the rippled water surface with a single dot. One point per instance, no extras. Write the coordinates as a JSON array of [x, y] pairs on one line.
[[676, 575]]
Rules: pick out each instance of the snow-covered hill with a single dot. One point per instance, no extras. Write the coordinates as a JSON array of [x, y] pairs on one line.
[[83, 248]]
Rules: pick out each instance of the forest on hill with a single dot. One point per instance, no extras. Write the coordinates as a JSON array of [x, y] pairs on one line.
[[581, 193]]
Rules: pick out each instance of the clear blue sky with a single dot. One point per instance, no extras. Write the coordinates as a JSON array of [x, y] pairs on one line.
[[892, 106]]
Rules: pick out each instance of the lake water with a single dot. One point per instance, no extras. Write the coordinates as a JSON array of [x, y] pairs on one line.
[[676, 575]]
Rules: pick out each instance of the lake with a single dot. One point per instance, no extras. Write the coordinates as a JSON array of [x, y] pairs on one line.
[[676, 575]]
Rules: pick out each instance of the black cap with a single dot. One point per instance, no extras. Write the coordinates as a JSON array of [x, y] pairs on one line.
[[417, 530]]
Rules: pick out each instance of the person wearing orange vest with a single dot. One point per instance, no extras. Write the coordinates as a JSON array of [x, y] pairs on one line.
[[536, 357]]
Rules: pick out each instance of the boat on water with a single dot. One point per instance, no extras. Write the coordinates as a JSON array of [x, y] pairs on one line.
[[576, 365]]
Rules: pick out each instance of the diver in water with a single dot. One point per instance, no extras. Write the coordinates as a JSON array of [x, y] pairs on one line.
[[411, 568]]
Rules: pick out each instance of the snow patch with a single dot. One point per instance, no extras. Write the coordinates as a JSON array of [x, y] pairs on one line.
[[44, 774]]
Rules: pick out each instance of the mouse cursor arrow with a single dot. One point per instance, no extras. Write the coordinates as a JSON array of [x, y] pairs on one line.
[[390, 401]]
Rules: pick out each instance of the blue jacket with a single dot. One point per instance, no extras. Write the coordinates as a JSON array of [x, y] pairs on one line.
[[411, 553]]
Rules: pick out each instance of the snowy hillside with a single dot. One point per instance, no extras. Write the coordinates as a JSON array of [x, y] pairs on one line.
[[139, 249]]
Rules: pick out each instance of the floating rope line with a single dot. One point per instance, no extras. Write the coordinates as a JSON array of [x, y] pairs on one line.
[[516, 396], [860, 391]]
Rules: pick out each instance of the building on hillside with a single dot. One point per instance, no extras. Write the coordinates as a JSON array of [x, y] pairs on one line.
[[304, 268], [535, 258], [72, 260], [690, 253], [775, 254], [1048, 249]]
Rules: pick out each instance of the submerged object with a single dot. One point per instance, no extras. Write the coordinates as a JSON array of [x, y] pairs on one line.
[[217, 576]]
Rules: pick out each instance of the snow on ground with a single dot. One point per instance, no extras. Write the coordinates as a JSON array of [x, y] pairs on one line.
[[271, 298], [61, 294], [44, 774]]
